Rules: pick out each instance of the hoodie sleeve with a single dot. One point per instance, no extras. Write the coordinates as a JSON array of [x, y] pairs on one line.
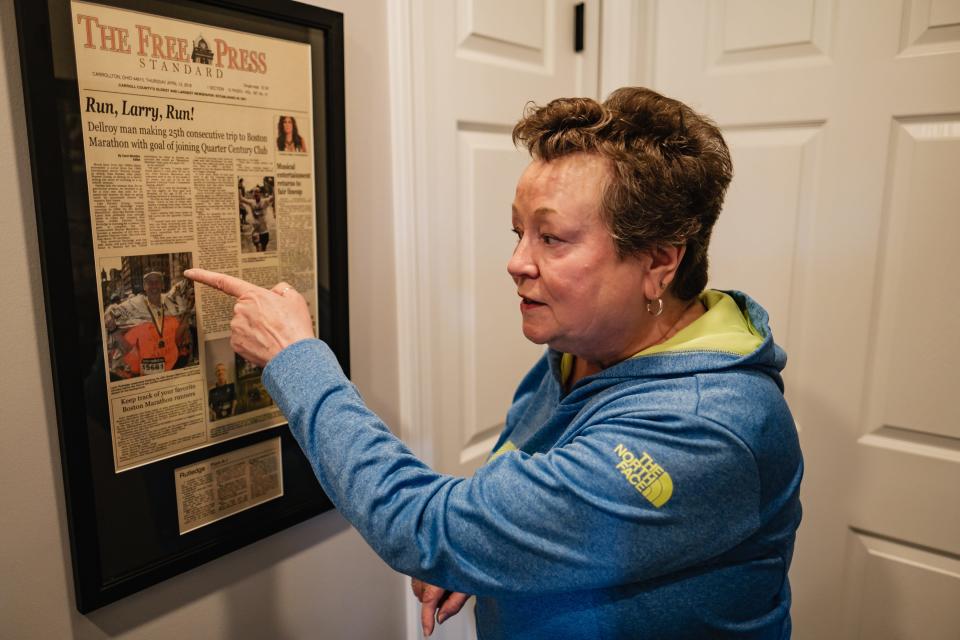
[[629, 499]]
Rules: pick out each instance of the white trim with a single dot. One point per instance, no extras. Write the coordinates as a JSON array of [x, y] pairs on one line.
[[409, 225], [411, 264], [588, 60], [627, 41], [411, 609], [414, 427]]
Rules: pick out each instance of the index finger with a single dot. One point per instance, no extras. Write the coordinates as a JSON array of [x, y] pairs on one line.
[[228, 284]]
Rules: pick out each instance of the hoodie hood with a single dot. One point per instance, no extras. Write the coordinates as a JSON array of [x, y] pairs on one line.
[[733, 333]]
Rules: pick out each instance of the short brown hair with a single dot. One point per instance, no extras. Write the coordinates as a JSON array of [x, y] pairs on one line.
[[670, 169]]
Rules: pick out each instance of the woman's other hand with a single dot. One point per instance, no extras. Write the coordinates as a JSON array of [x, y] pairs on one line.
[[265, 321], [436, 603]]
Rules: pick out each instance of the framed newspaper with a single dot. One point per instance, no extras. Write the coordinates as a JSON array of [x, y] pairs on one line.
[[164, 135]]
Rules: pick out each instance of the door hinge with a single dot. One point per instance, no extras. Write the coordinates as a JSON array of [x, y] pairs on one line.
[[578, 27]]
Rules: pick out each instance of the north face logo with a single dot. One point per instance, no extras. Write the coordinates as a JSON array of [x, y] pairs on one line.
[[645, 475]]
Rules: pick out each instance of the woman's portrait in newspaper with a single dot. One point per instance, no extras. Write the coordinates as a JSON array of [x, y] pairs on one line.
[[288, 135]]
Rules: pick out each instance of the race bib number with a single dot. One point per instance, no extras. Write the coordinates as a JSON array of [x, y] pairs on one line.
[[151, 365]]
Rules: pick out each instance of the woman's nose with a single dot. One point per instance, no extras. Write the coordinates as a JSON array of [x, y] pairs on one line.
[[521, 263]]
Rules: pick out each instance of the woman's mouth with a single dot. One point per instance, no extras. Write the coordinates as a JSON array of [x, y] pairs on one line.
[[529, 303]]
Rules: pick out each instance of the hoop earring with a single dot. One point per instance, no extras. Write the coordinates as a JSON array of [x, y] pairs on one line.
[[659, 302]]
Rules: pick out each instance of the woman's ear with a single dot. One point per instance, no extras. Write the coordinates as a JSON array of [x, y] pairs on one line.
[[664, 261]]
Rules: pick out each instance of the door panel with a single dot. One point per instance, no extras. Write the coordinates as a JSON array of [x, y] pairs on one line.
[[770, 203], [917, 356], [902, 591], [930, 26], [764, 33], [503, 23], [495, 353]]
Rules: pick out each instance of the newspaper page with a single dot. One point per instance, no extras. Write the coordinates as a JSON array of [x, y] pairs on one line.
[[198, 149], [219, 487]]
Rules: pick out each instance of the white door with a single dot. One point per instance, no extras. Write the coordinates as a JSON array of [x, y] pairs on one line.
[[843, 118], [463, 70]]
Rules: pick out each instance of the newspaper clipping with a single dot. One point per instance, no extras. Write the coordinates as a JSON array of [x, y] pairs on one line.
[[198, 147], [219, 487]]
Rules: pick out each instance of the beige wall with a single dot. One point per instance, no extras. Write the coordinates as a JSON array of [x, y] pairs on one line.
[[318, 579]]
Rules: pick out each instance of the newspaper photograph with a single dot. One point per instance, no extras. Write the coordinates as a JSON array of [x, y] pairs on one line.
[[219, 487], [198, 151]]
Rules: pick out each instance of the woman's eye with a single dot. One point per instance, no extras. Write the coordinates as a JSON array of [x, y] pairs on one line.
[[517, 233], [548, 239]]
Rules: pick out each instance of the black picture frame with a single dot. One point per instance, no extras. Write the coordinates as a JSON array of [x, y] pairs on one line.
[[123, 527]]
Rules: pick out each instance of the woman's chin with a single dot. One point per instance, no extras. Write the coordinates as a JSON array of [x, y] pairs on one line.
[[542, 335], [535, 336]]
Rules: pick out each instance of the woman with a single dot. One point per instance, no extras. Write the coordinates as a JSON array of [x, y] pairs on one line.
[[288, 137], [646, 482]]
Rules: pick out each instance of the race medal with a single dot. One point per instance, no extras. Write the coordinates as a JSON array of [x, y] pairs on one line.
[[151, 365], [158, 325]]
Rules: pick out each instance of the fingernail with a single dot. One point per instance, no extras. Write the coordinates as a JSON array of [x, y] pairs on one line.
[[426, 634], [441, 617]]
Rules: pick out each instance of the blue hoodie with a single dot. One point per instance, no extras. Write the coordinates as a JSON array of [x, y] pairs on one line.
[[657, 498]]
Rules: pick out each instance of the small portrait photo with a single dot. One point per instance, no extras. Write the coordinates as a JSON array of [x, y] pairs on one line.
[[251, 394], [258, 218], [290, 138], [221, 370], [149, 314]]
